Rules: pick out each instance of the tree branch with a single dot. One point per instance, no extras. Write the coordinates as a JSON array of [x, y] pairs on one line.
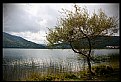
[[76, 51], [88, 41]]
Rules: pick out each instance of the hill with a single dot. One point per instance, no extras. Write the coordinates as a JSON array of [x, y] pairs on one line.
[[11, 41], [100, 42]]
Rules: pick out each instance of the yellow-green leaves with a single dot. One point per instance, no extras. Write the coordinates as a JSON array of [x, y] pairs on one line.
[[69, 27]]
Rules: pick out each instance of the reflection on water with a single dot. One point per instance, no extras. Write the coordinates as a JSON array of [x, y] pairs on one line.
[[21, 62], [40, 56], [105, 51], [45, 55]]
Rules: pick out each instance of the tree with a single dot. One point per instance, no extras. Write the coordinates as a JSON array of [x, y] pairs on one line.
[[78, 26]]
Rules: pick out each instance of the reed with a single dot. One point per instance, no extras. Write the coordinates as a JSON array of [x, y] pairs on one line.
[[20, 69]]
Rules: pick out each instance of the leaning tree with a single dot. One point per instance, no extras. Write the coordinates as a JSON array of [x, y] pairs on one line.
[[79, 29]]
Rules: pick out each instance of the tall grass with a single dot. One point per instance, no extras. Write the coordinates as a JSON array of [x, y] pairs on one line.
[[20, 69]]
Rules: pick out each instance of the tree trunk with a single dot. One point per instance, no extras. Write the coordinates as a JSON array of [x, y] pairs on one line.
[[87, 56], [89, 68]]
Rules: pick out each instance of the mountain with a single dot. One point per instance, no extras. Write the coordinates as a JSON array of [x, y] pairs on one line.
[[106, 41], [100, 42], [11, 41]]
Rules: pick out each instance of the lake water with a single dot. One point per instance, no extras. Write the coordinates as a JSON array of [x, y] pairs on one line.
[[20, 63], [49, 54]]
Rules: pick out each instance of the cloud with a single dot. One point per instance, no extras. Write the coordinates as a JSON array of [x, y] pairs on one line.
[[38, 37], [29, 20], [17, 19]]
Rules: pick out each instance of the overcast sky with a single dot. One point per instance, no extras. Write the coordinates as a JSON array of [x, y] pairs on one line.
[[30, 21]]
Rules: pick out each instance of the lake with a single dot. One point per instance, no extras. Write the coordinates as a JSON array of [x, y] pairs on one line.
[[50, 53], [47, 54], [20, 61]]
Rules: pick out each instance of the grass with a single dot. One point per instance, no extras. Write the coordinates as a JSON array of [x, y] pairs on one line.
[[103, 73], [57, 72], [80, 76]]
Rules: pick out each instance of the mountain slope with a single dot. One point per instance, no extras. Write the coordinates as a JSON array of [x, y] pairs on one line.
[[98, 43], [11, 41]]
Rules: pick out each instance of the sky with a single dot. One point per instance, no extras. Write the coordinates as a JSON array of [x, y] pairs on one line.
[[32, 20]]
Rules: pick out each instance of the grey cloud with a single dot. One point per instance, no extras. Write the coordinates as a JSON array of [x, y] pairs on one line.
[[51, 13], [16, 19], [112, 9]]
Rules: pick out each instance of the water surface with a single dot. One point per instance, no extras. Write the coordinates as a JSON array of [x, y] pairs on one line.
[[50, 54]]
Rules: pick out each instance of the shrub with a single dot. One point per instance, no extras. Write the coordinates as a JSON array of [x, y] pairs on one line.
[[34, 77], [102, 69], [47, 78], [71, 76]]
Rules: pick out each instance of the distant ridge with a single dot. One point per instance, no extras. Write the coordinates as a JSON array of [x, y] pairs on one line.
[[11, 41], [105, 41]]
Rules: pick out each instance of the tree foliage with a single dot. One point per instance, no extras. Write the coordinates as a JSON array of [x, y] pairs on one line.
[[78, 25]]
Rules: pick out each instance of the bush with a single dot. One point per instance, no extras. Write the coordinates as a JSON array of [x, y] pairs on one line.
[[71, 76], [48, 78], [34, 77], [102, 69]]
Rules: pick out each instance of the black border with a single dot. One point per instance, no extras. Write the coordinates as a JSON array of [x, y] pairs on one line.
[[48, 1], [61, 1]]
